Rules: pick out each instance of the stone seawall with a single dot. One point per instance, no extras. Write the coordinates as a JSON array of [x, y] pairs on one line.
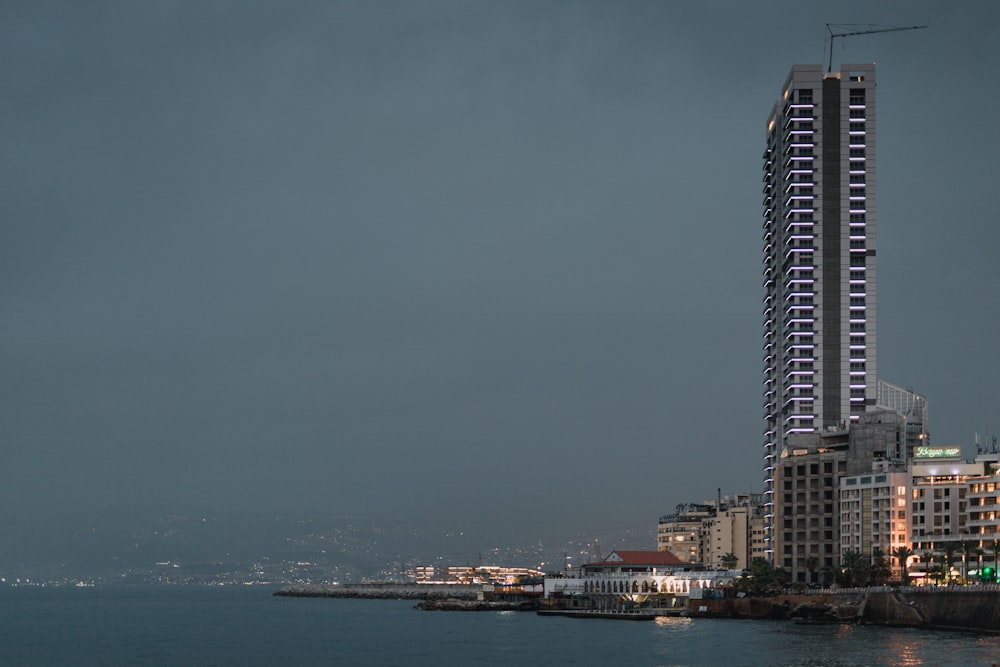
[[946, 609], [383, 591], [819, 608]]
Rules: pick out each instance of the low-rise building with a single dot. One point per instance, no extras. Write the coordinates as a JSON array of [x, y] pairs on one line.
[[709, 534], [630, 579], [680, 533]]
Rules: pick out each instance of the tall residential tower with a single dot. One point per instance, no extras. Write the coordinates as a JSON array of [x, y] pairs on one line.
[[819, 257]]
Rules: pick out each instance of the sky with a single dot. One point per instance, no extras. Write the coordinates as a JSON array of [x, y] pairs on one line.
[[487, 262]]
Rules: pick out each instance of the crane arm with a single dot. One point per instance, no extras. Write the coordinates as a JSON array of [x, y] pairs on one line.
[[852, 33]]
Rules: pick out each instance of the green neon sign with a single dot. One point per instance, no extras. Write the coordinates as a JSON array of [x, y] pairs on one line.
[[937, 452]]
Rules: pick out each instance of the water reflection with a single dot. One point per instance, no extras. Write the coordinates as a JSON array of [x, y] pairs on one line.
[[903, 651]]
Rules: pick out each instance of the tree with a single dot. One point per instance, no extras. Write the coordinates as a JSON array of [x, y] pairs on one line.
[[762, 579], [928, 560], [744, 583], [880, 569], [780, 578], [903, 555], [812, 562], [854, 569], [730, 560], [995, 548], [950, 549], [967, 547]]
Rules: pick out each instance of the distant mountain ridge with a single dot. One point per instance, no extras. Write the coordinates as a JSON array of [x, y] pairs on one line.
[[133, 543]]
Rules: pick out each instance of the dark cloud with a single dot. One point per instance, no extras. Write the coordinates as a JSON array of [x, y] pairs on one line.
[[487, 261]]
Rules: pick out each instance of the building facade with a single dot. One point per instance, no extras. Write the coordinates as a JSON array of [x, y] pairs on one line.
[[806, 511], [874, 511], [818, 259], [984, 503], [710, 534], [940, 484], [681, 533]]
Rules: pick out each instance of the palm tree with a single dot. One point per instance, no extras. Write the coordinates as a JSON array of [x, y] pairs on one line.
[[928, 560], [937, 572], [880, 567], [967, 547], [854, 569], [978, 553], [949, 548], [903, 555], [744, 583], [780, 578], [812, 562], [730, 560]]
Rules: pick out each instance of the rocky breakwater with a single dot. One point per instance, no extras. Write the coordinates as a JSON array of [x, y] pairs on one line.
[[452, 604], [833, 608], [975, 608], [383, 591], [972, 608]]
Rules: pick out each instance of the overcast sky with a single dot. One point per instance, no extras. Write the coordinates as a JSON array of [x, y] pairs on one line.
[[483, 261]]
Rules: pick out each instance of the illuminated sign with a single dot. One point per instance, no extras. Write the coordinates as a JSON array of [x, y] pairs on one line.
[[936, 452]]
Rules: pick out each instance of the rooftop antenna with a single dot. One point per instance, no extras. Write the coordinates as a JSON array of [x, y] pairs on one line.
[[835, 30]]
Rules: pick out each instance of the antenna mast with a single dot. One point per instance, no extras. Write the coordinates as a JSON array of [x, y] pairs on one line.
[[871, 29]]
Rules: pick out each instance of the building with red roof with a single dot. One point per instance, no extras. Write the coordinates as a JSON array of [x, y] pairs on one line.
[[636, 561]]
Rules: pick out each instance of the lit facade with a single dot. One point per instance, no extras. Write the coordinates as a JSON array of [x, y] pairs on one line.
[[708, 534], [984, 503], [938, 500], [818, 260], [681, 533], [874, 511], [728, 533]]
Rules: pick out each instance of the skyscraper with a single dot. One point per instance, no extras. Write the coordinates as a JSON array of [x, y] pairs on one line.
[[819, 257]]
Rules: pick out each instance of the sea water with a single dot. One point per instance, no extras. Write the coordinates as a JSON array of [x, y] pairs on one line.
[[183, 625]]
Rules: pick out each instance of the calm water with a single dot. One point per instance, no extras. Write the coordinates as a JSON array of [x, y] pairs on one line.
[[247, 626]]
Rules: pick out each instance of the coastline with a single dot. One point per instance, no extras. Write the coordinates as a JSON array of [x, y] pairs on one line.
[[970, 609], [384, 591]]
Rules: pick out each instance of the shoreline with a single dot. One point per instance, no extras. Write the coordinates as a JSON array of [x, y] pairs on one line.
[[467, 592], [956, 609], [962, 609]]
